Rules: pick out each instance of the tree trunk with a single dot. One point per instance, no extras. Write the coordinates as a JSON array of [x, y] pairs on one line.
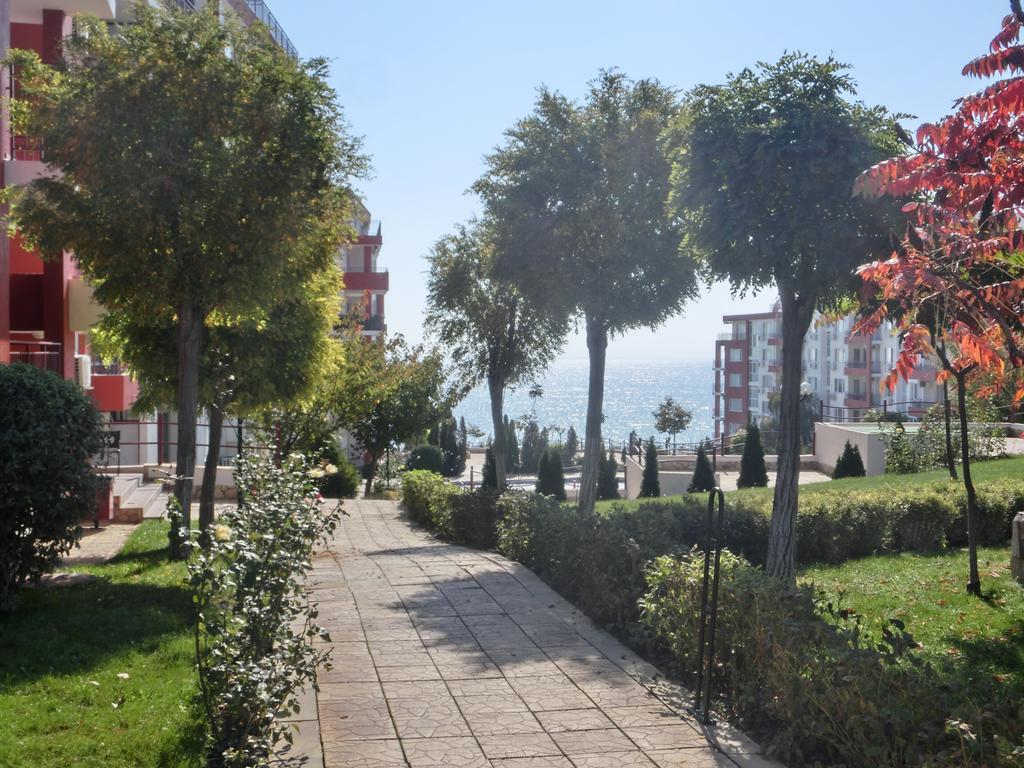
[[597, 346], [974, 580], [370, 475], [948, 416], [796, 319], [190, 327], [496, 387], [206, 493]]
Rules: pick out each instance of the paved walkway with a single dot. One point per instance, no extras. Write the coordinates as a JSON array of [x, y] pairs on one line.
[[447, 656]]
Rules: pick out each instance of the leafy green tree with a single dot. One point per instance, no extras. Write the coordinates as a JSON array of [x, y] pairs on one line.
[[849, 464], [408, 396], [671, 418], [577, 196], [650, 485], [428, 458], [753, 473], [192, 157], [703, 475], [489, 327], [271, 357], [607, 476], [572, 447], [763, 170]]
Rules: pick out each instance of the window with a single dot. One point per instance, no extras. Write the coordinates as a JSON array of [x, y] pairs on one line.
[[838, 386], [735, 405], [735, 355], [767, 381], [735, 379]]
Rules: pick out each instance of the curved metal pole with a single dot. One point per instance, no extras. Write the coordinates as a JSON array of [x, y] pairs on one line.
[[706, 650]]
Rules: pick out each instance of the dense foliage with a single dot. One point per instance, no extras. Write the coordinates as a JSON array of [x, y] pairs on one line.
[[849, 463], [255, 623], [49, 432], [670, 418]]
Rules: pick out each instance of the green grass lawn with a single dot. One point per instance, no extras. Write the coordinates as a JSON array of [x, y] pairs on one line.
[[963, 635], [101, 674], [981, 472]]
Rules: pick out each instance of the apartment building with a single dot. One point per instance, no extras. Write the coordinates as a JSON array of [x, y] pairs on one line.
[[842, 370], [365, 283], [46, 308]]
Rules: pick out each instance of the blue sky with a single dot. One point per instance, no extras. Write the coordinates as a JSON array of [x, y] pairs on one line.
[[432, 87]]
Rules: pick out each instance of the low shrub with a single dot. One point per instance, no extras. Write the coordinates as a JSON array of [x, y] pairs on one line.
[[341, 479], [820, 689], [254, 623], [49, 430], [427, 457], [474, 518], [427, 497]]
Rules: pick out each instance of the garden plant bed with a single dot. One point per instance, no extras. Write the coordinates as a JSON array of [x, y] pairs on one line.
[[102, 674]]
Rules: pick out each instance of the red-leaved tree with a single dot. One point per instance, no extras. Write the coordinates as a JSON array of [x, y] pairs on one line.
[[954, 285]]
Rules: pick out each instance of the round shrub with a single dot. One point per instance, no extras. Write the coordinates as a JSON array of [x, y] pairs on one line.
[[344, 484], [428, 458], [49, 430]]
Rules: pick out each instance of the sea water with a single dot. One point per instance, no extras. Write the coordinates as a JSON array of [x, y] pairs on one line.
[[633, 389]]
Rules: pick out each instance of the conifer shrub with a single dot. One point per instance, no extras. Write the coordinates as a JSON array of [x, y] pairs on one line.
[[849, 464], [703, 476], [571, 448], [650, 485], [607, 476], [551, 479], [489, 477], [753, 472]]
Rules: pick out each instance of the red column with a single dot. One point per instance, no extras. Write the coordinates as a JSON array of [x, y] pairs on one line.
[[54, 23], [55, 310]]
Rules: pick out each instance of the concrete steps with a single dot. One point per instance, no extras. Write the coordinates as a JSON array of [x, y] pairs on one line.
[[135, 500]]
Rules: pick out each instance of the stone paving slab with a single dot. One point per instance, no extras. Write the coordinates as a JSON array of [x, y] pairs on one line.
[[447, 656]]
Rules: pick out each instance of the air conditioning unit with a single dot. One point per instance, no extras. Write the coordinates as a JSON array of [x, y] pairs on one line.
[[83, 371]]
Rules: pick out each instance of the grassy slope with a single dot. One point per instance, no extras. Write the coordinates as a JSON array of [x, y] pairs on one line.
[[61, 700], [928, 593], [981, 472]]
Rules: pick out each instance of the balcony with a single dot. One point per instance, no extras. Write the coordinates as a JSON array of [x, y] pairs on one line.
[[373, 323], [366, 281], [44, 355], [856, 368], [113, 392], [262, 12], [105, 9], [858, 400]]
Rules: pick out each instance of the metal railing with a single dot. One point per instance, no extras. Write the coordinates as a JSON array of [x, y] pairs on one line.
[[839, 414], [263, 13], [185, 5], [45, 355]]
